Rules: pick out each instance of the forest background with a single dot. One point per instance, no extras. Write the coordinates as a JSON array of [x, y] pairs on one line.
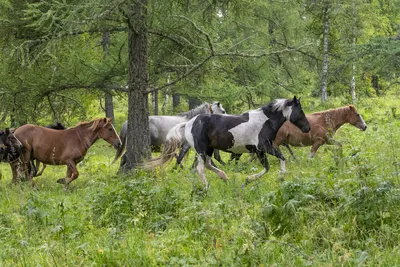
[[70, 61]]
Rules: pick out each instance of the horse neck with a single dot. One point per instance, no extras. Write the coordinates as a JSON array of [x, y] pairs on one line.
[[336, 117], [204, 108], [86, 135]]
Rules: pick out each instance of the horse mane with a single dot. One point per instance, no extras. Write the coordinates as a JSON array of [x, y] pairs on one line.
[[92, 124], [275, 105], [203, 108], [334, 109]]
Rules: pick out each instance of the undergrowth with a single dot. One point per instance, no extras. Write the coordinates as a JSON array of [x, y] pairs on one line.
[[338, 209]]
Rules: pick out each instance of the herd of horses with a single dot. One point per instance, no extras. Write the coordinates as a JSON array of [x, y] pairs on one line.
[[207, 129]]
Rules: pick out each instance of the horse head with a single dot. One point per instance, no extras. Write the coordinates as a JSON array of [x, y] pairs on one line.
[[10, 146], [107, 132], [354, 118], [295, 114], [216, 108]]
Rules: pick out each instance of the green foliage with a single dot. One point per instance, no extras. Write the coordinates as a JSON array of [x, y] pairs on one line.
[[340, 208]]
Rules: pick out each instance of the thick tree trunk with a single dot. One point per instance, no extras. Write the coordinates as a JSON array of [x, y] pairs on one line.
[[324, 95], [353, 78], [138, 140]]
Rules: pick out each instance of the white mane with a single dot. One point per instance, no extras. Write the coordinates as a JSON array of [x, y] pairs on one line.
[[280, 105]]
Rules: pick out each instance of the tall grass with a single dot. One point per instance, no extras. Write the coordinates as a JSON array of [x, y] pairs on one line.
[[338, 209]]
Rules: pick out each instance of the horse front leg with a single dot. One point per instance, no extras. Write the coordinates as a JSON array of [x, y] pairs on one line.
[[275, 151], [264, 161], [217, 156], [318, 142], [15, 166], [72, 174]]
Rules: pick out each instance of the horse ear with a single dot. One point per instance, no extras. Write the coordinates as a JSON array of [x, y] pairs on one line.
[[352, 107], [7, 131]]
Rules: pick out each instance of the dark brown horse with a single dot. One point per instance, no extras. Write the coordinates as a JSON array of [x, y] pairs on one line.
[[323, 124], [61, 147], [10, 146]]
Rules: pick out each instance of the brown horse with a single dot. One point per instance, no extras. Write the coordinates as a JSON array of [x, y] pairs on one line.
[[323, 124], [62, 147]]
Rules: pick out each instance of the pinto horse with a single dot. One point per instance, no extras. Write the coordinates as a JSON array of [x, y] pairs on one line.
[[159, 126], [323, 124], [62, 147], [250, 132], [10, 146]]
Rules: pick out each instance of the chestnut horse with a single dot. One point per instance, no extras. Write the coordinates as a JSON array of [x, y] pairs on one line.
[[323, 124], [35, 164], [61, 147]]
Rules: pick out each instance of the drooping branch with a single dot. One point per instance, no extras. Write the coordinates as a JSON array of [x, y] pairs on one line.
[[223, 54]]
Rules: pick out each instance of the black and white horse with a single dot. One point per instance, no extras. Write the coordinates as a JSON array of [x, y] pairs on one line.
[[250, 132], [159, 126]]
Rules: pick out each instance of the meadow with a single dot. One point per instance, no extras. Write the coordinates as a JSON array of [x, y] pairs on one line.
[[339, 209]]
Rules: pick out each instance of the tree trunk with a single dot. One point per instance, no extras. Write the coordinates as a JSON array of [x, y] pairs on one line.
[[138, 138], [324, 95], [194, 102], [109, 106], [176, 100], [154, 96], [108, 98], [353, 78], [375, 84]]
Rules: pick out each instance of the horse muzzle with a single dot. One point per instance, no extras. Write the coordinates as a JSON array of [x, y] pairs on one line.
[[117, 145], [305, 129]]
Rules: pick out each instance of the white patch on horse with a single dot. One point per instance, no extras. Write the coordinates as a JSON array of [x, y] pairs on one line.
[[247, 133], [188, 131], [280, 105], [363, 122]]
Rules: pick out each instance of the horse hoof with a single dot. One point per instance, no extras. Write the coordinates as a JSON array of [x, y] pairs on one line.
[[61, 181]]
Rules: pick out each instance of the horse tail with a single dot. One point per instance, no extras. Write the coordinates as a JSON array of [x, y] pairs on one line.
[[174, 140], [122, 136]]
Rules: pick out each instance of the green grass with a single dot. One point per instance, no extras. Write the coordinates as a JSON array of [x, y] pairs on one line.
[[338, 209]]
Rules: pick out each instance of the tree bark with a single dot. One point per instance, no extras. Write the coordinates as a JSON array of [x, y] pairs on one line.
[[155, 102], [109, 106], [353, 78], [324, 95], [108, 98], [176, 100], [375, 84], [138, 139]]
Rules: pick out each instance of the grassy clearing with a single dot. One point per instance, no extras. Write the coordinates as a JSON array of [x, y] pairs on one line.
[[339, 209]]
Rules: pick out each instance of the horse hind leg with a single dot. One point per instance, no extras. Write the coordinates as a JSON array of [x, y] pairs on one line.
[[219, 172], [263, 159], [200, 169]]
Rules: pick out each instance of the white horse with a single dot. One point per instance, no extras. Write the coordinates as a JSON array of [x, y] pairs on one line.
[[159, 126]]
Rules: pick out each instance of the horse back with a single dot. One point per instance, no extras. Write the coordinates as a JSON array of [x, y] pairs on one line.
[[47, 145]]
